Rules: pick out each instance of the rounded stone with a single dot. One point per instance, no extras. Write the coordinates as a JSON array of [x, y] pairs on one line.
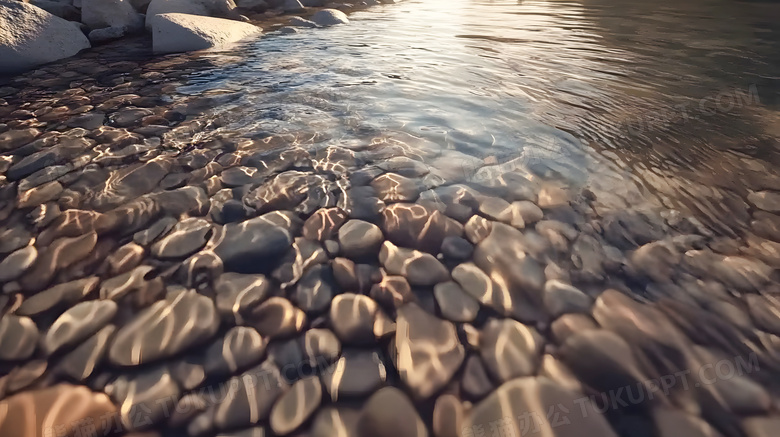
[[18, 338], [510, 349], [78, 323], [296, 406], [389, 413], [180, 321], [15, 264], [358, 238], [352, 318]]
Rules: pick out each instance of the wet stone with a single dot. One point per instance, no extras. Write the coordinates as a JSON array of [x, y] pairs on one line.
[[455, 304], [125, 284], [419, 268], [129, 116], [335, 422], [34, 163], [15, 264], [418, 227], [82, 361], [238, 176], [321, 346], [361, 203], [18, 338], [277, 318], [358, 238], [324, 224], [352, 318], [24, 376], [43, 215], [174, 180], [40, 177], [88, 121], [253, 246], [610, 363], [150, 235], [125, 258], [13, 239], [475, 381], [257, 390], [240, 348], [447, 416], [356, 374], [570, 324], [477, 229], [186, 238], [761, 426], [503, 253], [429, 351], [537, 394], [766, 225], [13, 139], [765, 200], [305, 255], [527, 211], [187, 375], [765, 313], [39, 195], [315, 290], [144, 398], [456, 248], [63, 407], [58, 296], [238, 294], [296, 406], [496, 209], [657, 261], [392, 187], [392, 292], [60, 255], [561, 298], [510, 349], [78, 323], [389, 413], [288, 356], [180, 321]]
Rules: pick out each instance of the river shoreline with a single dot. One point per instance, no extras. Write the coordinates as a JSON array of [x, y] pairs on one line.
[[173, 275]]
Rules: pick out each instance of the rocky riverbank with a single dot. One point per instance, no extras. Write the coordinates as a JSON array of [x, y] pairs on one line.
[[153, 283], [163, 276], [36, 32]]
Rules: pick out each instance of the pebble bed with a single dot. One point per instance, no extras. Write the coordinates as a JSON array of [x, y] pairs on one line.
[[154, 283]]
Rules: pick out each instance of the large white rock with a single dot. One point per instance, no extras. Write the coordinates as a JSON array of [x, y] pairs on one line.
[[30, 36], [330, 17], [99, 14], [208, 8], [172, 33]]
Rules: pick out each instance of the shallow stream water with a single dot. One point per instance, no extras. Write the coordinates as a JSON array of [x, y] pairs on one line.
[[445, 218]]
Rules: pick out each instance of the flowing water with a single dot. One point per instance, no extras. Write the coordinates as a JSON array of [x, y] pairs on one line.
[[663, 103], [209, 210]]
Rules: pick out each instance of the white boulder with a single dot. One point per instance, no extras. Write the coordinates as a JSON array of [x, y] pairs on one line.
[[173, 33], [99, 14], [207, 8], [30, 36], [330, 17], [60, 9]]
